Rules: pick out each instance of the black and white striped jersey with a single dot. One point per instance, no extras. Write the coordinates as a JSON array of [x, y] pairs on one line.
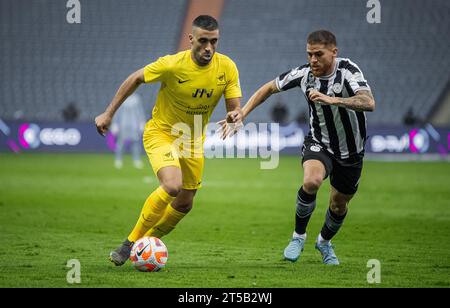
[[340, 130]]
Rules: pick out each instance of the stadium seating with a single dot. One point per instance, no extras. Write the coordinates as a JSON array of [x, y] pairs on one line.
[[404, 57], [47, 63]]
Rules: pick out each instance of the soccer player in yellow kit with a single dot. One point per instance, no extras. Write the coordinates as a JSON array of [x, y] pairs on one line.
[[192, 83]]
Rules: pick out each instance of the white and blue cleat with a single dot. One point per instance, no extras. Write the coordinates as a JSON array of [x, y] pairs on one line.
[[294, 249], [327, 252]]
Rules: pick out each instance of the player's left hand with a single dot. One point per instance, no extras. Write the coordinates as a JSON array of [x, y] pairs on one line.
[[321, 98], [234, 116], [228, 129]]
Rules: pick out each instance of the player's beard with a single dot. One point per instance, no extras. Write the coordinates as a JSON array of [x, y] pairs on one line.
[[318, 70]]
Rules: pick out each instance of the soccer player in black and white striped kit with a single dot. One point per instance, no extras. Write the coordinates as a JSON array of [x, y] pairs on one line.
[[337, 95]]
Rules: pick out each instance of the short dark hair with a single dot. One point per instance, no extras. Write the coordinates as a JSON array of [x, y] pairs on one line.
[[206, 22], [322, 37]]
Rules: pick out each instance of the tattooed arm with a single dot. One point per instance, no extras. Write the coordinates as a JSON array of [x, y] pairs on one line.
[[362, 101]]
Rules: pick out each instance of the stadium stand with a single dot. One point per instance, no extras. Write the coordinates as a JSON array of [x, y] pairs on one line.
[[405, 57], [47, 63]]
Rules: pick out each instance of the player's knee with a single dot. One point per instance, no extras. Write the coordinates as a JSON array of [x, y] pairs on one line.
[[339, 207], [173, 188], [312, 184]]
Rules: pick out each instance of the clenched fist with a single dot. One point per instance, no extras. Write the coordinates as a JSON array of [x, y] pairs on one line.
[[102, 122]]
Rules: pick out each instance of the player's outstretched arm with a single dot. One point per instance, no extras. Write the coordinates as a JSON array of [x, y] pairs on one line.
[[103, 121], [259, 97], [362, 101]]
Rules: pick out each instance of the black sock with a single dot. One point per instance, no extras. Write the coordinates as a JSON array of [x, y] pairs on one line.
[[332, 225], [128, 243], [306, 204]]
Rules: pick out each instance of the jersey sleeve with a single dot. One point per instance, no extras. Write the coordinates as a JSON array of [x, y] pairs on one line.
[[290, 79], [355, 78], [156, 71], [233, 86]]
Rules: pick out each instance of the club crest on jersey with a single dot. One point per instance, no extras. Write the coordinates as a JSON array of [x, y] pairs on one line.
[[221, 79], [337, 88]]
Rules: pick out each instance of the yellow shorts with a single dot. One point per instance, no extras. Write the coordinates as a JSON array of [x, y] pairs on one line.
[[163, 151]]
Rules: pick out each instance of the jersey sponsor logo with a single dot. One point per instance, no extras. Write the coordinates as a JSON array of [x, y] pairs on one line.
[[198, 110], [183, 81], [200, 92], [314, 148], [221, 79]]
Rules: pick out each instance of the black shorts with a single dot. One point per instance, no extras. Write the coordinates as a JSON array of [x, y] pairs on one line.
[[344, 174]]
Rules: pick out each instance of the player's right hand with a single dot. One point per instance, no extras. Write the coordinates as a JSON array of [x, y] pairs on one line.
[[102, 122]]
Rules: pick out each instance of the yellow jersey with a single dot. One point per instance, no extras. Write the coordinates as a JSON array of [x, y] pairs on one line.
[[189, 90]]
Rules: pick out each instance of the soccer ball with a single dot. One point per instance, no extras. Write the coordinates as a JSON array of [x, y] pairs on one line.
[[149, 254]]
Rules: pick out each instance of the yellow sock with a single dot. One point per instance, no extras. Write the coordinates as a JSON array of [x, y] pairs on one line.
[[167, 223], [152, 211]]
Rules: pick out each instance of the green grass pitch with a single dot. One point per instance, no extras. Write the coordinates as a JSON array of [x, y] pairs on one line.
[[60, 207]]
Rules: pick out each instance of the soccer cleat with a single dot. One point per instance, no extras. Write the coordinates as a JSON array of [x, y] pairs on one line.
[[121, 254], [328, 255], [294, 249]]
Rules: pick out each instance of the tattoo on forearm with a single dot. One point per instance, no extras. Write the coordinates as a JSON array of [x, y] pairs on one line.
[[362, 101]]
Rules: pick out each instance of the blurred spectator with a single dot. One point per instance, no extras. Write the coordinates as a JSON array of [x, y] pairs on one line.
[[128, 125], [280, 113], [70, 113], [19, 115], [409, 118]]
